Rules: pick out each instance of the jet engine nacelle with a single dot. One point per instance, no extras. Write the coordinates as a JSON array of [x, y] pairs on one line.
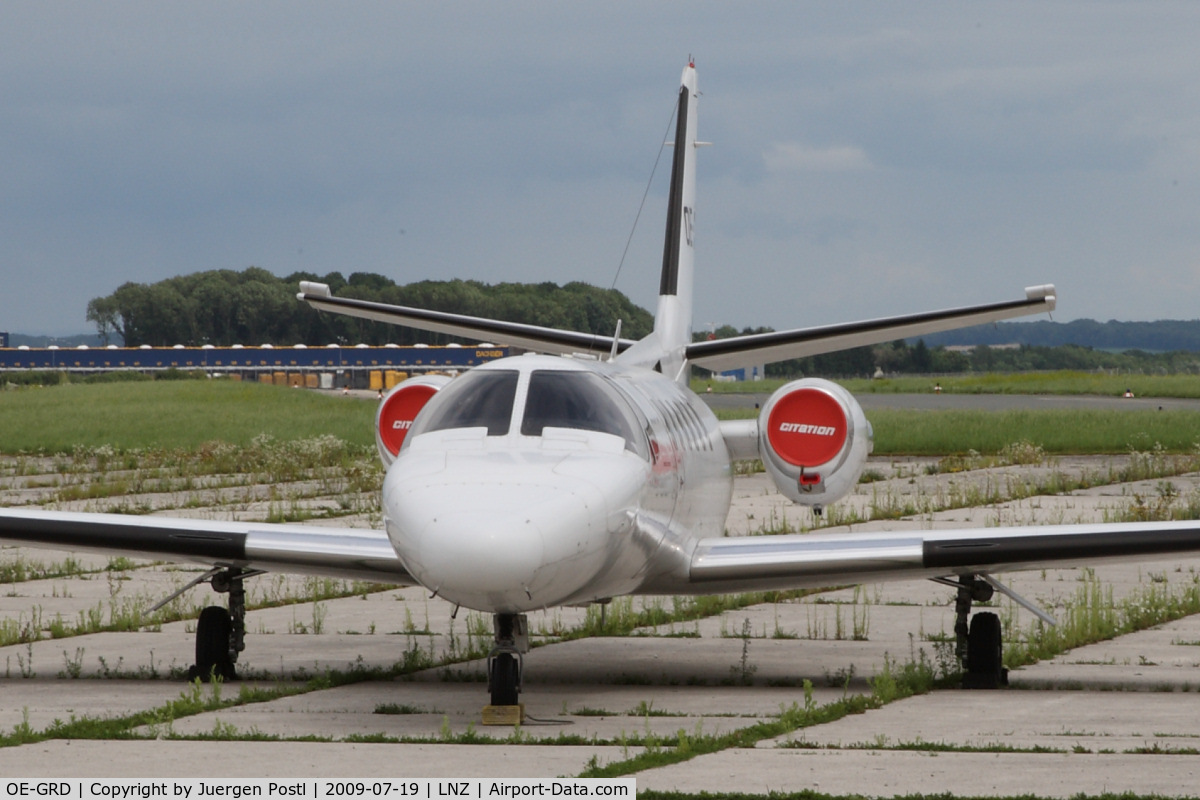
[[399, 408], [814, 440]]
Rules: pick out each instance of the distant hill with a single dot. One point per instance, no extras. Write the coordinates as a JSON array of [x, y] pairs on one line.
[[1160, 336]]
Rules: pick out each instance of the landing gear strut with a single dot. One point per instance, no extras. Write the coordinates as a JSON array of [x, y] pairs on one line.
[[504, 662], [978, 645], [221, 633]]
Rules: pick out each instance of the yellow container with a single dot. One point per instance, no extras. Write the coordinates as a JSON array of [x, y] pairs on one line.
[[280, 379], [376, 377], [265, 377], [310, 381]]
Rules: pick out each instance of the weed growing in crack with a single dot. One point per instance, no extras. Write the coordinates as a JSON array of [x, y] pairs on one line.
[[743, 673]]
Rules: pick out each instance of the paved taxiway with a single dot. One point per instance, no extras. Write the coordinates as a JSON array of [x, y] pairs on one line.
[[1116, 716]]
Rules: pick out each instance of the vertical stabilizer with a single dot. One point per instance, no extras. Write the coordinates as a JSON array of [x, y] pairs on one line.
[[678, 243], [673, 320]]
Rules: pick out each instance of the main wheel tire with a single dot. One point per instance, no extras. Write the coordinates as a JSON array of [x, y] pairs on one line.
[[504, 680], [984, 655], [212, 646]]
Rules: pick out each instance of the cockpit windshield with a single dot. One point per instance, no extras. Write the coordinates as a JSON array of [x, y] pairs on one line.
[[574, 399], [580, 400], [478, 399]]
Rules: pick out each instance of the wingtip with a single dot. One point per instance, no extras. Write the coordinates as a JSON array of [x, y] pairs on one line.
[[313, 288], [1045, 292]]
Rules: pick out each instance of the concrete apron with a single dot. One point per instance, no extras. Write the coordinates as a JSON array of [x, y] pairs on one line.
[[1115, 716]]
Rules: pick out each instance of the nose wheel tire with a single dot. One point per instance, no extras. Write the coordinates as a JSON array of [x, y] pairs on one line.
[[504, 679]]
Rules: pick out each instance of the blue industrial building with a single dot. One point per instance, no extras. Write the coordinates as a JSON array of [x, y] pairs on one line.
[[343, 365]]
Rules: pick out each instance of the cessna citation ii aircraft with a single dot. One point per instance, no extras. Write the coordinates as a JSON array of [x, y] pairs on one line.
[[538, 480]]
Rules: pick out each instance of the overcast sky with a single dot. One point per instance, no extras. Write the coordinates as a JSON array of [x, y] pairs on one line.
[[869, 158]]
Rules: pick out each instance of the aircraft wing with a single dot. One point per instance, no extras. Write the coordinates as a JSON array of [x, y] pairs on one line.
[[354, 553], [720, 354], [747, 563], [533, 337]]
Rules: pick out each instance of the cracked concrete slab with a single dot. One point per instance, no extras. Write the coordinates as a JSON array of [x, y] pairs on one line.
[[1107, 705]]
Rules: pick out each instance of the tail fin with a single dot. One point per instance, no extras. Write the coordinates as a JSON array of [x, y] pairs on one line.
[[677, 249], [665, 349]]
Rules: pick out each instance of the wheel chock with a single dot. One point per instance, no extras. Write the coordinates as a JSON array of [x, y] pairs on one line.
[[504, 715]]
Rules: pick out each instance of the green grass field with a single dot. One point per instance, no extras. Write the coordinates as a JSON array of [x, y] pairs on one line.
[[174, 414], [185, 414], [1059, 382], [1058, 432]]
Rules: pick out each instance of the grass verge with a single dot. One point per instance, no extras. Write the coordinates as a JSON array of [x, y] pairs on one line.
[[1049, 382], [175, 414]]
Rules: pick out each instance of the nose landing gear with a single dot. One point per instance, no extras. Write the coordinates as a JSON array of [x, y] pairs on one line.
[[504, 668]]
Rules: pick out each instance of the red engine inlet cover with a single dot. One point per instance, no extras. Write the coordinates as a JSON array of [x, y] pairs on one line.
[[807, 427], [399, 410]]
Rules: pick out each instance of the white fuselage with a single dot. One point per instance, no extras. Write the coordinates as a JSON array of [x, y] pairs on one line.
[[599, 482]]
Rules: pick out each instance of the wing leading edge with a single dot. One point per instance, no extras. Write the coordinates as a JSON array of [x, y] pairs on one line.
[[354, 553], [720, 354], [534, 337], [716, 354], [798, 561]]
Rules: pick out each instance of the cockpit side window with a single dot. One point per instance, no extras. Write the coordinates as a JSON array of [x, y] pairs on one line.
[[580, 400], [478, 399]]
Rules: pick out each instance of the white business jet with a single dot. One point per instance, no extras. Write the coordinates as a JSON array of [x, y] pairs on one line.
[[542, 480]]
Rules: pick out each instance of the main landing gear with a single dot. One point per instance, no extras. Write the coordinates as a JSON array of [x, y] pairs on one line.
[[504, 662], [979, 648], [978, 644], [220, 633]]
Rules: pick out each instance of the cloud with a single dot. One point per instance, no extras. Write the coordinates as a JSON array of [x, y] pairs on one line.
[[799, 157], [994, 147]]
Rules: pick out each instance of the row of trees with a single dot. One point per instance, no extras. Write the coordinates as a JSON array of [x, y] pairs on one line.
[[900, 357], [225, 307], [1158, 336], [918, 358]]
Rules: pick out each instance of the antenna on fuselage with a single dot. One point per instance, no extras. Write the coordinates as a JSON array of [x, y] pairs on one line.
[[612, 354]]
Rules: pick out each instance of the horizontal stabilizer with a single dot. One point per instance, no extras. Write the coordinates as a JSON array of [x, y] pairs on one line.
[[763, 348], [532, 337]]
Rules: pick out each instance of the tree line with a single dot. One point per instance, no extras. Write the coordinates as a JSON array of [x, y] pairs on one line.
[[1159, 336], [225, 307], [253, 306], [903, 358]]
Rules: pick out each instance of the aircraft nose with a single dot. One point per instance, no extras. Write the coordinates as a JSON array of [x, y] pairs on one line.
[[495, 544], [488, 546]]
